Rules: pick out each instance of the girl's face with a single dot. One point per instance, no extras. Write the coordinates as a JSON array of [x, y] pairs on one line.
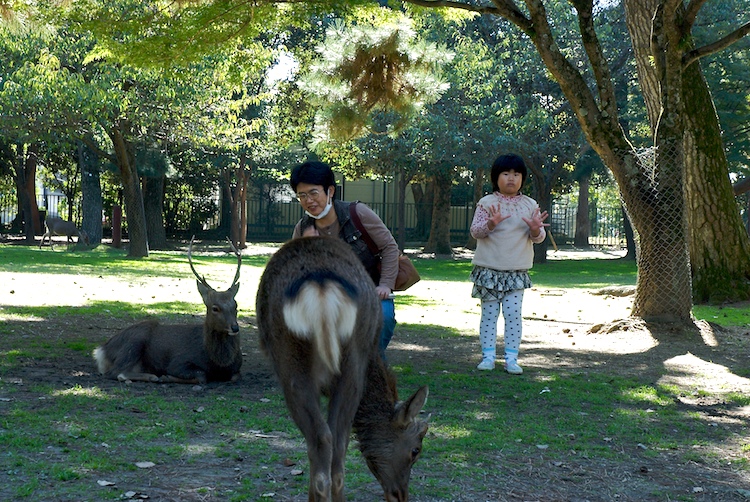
[[509, 182]]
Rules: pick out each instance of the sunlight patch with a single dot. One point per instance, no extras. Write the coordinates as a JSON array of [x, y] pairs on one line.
[[687, 369], [411, 347], [199, 448], [77, 390], [5, 317], [449, 432], [483, 415]]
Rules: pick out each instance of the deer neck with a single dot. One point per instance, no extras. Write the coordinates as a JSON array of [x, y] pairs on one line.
[[220, 346], [379, 398]]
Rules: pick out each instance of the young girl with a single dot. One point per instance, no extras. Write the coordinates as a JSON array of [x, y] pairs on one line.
[[506, 226]]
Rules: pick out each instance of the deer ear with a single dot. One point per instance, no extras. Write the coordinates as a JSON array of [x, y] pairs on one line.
[[204, 291], [407, 411]]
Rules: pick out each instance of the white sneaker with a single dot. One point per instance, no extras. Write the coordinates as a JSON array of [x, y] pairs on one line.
[[486, 365], [513, 368]]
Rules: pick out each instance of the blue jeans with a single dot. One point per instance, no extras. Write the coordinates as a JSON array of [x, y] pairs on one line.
[[389, 324]]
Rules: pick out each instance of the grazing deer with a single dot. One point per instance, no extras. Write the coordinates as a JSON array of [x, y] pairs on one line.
[[319, 320], [57, 226], [154, 352]]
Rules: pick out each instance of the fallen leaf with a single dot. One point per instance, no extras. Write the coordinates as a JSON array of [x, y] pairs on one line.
[[102, 482], [296, 472], [145, 465]]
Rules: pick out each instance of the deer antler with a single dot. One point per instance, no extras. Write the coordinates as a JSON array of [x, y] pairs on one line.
[[200, 278], [239, 261]]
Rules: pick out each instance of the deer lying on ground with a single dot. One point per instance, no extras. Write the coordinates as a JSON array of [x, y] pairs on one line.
[[319, 320], [57, 226], [154, 352]]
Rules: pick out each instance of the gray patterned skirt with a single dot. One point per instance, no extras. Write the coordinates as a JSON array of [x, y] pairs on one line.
[[492, 284]]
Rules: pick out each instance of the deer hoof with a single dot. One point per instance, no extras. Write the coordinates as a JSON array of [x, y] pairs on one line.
[[122, 378]]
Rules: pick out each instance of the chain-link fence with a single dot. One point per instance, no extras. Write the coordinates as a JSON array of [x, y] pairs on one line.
[[654, 198]]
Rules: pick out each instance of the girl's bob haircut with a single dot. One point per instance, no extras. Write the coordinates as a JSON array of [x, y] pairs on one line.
[[508, 162]]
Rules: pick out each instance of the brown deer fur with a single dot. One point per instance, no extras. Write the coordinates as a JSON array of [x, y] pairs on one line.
[[319, 320], [154, 352], [57, 226]]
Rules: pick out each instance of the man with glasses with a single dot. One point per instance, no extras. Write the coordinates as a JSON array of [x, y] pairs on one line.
[[315, 186]]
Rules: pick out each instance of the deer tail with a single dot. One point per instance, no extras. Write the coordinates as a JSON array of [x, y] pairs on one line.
[[102, 361], [322, 307]]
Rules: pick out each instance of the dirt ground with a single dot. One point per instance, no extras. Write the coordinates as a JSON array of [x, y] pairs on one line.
[[562, 329]]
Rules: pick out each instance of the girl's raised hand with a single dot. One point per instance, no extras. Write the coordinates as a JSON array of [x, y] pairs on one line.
[[536, 222], [495, 217]]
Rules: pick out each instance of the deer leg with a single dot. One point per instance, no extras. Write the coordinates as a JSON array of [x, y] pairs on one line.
[[137, 377], [303, 401], [342, 407], [174, 379]]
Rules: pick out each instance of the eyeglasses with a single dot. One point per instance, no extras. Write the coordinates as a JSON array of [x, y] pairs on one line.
[[312, 194]]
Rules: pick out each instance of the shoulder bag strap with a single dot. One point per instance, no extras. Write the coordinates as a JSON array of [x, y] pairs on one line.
[[358, 223]]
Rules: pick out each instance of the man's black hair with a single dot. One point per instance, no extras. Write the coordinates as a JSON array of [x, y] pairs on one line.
[[312, 173]]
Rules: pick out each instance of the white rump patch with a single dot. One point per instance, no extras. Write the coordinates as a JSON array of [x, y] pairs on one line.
[[325, 315]]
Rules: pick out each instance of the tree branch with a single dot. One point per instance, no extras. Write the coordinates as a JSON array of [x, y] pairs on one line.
[[691, 12], [596, 56], [741, 186], [694, 55], [504, 8]]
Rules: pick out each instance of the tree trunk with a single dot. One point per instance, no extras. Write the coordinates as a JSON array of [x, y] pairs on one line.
[[471, 242], [718, 244], [544, 199], [133, 198], [153, 206], [439, 241], [242, 244], [583, 222], [423, 199], [629, 236], [25, 174], [403, 183], [669, 237], [91, 194], [237, 198]]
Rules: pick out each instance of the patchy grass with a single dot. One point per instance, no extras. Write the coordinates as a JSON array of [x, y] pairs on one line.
[[590, 419]]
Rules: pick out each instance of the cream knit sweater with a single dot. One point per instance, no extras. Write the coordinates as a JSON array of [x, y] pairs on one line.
[[509, 245]]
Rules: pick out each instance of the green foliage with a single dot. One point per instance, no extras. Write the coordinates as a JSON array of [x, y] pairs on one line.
[[365, 67], [727, 74]]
